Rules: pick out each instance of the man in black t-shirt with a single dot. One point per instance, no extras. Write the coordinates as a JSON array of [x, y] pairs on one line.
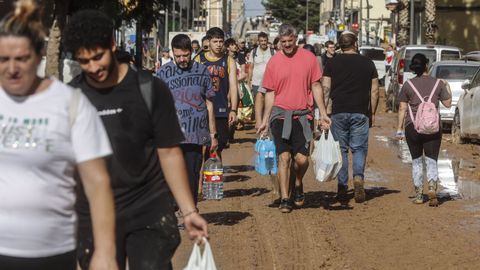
[[352, 81], [144, 140]]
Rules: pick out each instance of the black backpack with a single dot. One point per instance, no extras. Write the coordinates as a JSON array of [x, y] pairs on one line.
[[272, 52]]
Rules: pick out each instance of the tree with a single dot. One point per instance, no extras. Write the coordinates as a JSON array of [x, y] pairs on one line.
[[294, 12], [430, 26], [404, 23]]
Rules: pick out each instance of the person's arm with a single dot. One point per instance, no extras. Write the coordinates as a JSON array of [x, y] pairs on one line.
[[96, 183], [447, 102], [259, 101], [269, 100], [233, 90], [243, 75], [326, 86], [211, 124], [173, 164], [250, 75], [402, 110], [374, 98], [319, 99]]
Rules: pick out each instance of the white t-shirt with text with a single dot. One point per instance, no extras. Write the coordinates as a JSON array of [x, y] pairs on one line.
[[39, 147]]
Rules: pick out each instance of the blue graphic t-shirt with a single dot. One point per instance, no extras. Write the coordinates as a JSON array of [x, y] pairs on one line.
[[190, 88]]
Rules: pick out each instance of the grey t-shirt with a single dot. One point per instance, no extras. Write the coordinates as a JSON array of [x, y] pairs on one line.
[[424, 85]]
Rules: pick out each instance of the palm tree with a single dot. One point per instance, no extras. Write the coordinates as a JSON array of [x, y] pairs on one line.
[[404, 23], [430, 26]]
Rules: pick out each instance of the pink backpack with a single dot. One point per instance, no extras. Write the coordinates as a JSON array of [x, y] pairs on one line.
[[427, 118]]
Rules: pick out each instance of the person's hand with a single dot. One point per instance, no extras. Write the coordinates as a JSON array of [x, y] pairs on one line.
[[263, 130], [240, 94], [103, 261], [250, 84], [232, 118], [325, 122], [195, 226], [257, 125], [400, 135], [372, 120], [213, 144]]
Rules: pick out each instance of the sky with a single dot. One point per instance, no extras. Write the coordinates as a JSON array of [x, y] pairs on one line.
[[253, 8]]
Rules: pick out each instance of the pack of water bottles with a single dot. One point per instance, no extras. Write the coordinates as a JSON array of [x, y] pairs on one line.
[[213, 178], [265, 157]]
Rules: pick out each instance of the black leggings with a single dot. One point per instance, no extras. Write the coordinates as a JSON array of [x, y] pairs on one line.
[[66, 261], [422, 143]]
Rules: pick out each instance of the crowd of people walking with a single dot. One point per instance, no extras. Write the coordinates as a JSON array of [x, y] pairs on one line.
[[96, 172]]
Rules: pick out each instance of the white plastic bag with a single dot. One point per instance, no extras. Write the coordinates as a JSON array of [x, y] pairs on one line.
[[198, 261], [326, 157]]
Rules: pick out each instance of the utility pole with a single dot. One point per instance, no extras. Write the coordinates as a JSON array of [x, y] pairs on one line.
[[412, 20], [342, 11], [165, 43], [173, 16], [351, 14], [320, 16], [360, 26]]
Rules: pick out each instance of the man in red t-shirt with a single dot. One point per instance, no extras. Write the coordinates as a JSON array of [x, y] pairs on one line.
[[292, 80]]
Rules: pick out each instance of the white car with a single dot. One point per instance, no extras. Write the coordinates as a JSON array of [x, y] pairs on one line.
[[377, 56], [466, 121], [455, 73]]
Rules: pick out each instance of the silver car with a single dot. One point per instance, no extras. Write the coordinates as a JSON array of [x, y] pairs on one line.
[[455, 73], [466, 121]]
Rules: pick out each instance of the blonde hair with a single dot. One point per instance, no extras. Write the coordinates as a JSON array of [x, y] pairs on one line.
[[25, 21]]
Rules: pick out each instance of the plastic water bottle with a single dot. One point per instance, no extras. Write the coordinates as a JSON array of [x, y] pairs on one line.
[[213, 178], [271, 157], [261, 152]]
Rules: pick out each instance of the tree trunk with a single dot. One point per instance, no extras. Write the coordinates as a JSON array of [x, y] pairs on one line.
[[53, 51], [404, 24], [430, 26]]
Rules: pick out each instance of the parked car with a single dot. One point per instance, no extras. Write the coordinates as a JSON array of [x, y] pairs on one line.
[[455, 73], [466, 121], [377, 56], [400, 70]]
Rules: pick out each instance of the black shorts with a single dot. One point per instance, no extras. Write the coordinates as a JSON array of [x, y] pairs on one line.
[[150, 246], [66, 261], [223, 132], [297, 142]]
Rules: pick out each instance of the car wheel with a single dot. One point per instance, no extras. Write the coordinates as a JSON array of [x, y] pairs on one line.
[[456, 135]]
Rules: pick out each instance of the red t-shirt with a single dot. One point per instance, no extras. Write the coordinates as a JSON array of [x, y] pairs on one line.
[[291, 79]]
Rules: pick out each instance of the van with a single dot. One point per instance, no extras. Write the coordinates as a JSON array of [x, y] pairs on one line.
[[400, 71], [376, 54]]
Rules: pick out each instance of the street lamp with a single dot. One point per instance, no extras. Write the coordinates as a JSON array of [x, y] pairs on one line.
[[393, 6]]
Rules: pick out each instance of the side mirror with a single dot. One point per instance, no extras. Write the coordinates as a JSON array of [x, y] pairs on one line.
[[466, 84]]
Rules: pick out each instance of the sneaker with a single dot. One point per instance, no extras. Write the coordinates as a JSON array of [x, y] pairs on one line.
[[299, 196], [342, 194], [432, 193], [358, 189], [418, 195], [285, 206]]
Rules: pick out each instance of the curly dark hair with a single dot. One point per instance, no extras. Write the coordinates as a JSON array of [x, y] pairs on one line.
[[88, 29]]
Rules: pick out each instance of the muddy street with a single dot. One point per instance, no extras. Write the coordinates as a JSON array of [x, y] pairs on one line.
[[386, 232]]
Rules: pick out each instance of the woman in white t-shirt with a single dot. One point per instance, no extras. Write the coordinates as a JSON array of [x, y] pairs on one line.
[[46, 128]]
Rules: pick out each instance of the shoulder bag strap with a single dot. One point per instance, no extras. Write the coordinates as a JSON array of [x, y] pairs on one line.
[[433, 91], [145, 80]]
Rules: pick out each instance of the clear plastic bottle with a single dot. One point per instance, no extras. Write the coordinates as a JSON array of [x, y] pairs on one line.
[[213, 178]]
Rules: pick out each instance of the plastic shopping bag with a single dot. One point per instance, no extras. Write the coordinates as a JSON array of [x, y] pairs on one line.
[[327, 157], [247, 98], [199, 261]]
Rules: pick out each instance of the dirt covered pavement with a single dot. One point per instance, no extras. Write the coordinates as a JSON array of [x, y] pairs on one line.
[[385, 232]]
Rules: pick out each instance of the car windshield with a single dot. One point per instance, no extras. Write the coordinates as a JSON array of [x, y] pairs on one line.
[[450, 55], [457, 72], [373, 54], [431, 54]]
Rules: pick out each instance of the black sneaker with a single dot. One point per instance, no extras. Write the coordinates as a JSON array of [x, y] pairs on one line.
[[342, 194], [299, 196], [285, 206]]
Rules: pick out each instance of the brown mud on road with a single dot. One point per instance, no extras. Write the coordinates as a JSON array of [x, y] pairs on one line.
[[385, 232]]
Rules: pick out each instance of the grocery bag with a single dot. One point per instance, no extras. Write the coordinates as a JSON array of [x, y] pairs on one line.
[[199, 261], [326, 157]]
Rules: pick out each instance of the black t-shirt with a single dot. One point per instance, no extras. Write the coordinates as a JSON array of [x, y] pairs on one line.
[[351, 76], [135, 133], [240, 58]]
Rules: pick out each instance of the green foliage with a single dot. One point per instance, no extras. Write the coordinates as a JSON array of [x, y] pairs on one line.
[[294, 12]]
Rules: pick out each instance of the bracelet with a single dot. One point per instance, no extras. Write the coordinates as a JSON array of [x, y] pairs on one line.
[[235, 111], [189, 212]]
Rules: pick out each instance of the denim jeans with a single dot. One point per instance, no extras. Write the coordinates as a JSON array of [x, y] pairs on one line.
[[351, 131]]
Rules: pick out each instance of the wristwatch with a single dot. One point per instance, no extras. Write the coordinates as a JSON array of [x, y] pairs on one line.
[[215, 135], [235, 111]]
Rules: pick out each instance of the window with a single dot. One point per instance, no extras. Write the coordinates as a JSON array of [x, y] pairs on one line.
[[458, 72], [373, 54], [449, 55]]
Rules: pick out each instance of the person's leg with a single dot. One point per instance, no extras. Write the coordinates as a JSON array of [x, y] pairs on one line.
[[152, 247], [300, 152], [193, 159], [223, 135], [415, 147], [65, 261], [431, 146], [358, 143], [259, 104], [284, 160], [341, 132]]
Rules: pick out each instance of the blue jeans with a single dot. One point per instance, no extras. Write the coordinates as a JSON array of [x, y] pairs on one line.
[[351, 131]]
